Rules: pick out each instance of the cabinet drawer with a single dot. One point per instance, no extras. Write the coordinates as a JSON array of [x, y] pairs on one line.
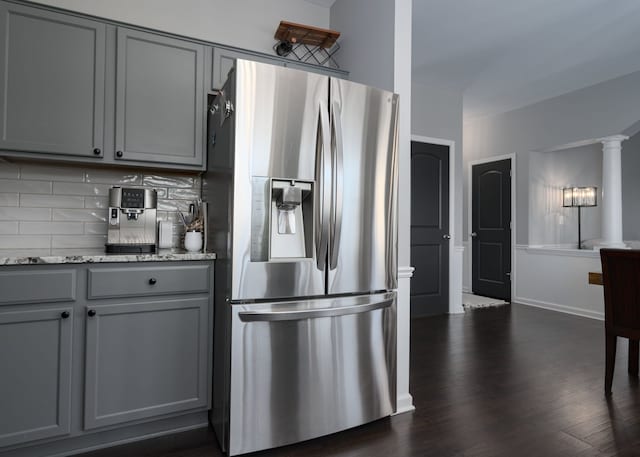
[[41, 286], [139, 281]]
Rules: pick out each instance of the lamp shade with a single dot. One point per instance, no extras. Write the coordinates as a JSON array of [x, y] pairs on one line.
[[579, 196]]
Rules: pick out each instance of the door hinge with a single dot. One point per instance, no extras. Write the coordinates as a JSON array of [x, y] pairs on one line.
[[510, 225]]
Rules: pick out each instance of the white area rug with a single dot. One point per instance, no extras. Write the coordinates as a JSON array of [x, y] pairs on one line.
[[471, 301]]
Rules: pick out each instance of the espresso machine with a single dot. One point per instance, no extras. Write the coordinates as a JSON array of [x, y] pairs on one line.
[[132, 221]]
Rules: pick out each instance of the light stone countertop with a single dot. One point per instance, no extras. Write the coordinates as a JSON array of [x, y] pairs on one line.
[[99, 256]]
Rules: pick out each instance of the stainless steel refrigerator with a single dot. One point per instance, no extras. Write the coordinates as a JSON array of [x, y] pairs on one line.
[[302, 200]]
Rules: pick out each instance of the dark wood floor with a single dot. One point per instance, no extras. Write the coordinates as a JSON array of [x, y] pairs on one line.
[[512, 381]]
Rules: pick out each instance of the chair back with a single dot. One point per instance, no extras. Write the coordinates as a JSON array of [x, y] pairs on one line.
[[621, 280]]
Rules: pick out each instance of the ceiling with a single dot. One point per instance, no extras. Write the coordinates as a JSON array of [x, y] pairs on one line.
[[505, 54]]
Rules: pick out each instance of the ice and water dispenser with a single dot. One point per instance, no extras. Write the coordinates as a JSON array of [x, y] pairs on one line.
[[282, 220]]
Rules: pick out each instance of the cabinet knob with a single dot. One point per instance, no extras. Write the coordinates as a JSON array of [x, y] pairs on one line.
[[65, 314], [119, 153], [97, 151], [91, 312], [152, 281]]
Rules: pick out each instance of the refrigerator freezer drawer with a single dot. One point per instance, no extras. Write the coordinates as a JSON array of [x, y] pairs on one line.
[[304, 369]]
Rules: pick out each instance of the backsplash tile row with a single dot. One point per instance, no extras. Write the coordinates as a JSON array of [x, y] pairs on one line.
[[52, 209]]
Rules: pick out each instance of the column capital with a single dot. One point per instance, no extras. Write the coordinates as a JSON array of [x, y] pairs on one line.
[[613, 139]]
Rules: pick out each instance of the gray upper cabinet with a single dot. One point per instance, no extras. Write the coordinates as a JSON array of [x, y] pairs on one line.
[[52, 79], [35, 385], [159, 99], [145, 359]]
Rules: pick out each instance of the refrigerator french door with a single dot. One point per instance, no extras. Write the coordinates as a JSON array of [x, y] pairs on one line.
[[301, 185]]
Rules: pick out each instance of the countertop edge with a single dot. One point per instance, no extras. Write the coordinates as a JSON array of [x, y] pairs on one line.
[[107, 258]]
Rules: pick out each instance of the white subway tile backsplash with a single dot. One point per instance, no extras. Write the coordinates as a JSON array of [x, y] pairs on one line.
[[50, 201], [77, 251], [51, 228], [174, 205], [31, 187], [80, 215], [95, 228], [25, 241], [54, 209], [87, 241], [9, 199], [183, 194], [74, 188], [25, 214], [45, 172], [8, 228], [155, 180], [26, 252], [96, 202], [113, 177]]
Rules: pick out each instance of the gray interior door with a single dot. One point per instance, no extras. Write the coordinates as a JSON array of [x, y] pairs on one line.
[[159, 99], [429, 229], [491, 229], [52, 70], [363, 238]]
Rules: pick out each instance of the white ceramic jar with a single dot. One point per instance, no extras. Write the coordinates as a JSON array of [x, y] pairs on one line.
[[193, 241]]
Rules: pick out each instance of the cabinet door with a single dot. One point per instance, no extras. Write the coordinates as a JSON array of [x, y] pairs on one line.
[[159, 99], [35, 384], [145, 359], [223, 60], [51, 82]]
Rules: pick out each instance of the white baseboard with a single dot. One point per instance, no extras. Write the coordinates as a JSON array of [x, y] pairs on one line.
[[405, 404], [559, 308]]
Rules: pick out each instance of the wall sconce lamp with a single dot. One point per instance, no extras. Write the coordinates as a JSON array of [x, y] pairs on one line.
[[578, 197]]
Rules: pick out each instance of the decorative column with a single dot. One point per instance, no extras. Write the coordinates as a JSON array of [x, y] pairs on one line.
[[612, 191]]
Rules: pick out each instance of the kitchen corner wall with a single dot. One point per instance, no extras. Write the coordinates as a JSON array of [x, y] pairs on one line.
[[53, 209]]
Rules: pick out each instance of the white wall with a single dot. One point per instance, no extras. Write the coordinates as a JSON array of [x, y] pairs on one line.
[[248, 24], [558, 280], [367, 44], [549, 172], [437, 112], [631, 188], [597, 111]]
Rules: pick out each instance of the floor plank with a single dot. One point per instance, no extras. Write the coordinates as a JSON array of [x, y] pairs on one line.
[[508, 381]]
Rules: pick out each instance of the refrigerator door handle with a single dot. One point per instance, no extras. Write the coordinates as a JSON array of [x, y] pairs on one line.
[[323, 178], [337, 183], [270, 316]]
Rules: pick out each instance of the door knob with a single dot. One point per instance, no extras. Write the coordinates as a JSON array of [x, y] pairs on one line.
[[91, 313], [446, 237], [65, 314], [473, 234]]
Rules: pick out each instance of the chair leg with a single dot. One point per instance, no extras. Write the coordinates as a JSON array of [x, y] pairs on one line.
[[610, 344], [633, 357]]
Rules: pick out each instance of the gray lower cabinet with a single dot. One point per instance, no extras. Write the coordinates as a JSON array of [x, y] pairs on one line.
[[91, 354], [35, 384], [52, 75], [159, 99], [145, 359]]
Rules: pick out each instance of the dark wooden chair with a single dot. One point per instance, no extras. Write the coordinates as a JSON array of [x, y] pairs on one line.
[[621, 280]]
